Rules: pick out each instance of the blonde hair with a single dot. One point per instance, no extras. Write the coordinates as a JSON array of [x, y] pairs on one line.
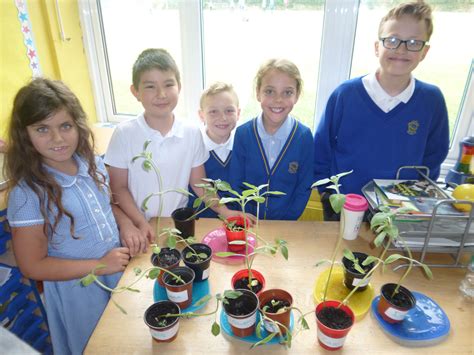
[[417, 9], [217, 88], [282, 65]]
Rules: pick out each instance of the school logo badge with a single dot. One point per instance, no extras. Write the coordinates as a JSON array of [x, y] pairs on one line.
[[412, 127], [293, 167]]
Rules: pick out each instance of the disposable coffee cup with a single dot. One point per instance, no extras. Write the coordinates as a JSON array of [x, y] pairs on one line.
[[353, 213]]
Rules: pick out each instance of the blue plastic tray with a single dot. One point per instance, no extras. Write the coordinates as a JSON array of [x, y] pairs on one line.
[[226, 328], [425, 324], [200, 289]]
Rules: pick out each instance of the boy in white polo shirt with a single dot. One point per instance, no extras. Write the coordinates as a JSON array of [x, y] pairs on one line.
[[177, 147]]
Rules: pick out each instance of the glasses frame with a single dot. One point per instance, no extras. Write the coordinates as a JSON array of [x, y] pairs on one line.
[[403, 42]]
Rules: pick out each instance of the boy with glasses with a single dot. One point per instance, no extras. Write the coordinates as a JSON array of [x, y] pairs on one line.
[[379, 122]]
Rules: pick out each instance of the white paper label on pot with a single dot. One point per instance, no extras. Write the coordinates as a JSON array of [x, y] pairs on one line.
[[395, 313], [330, 342], [242, 323], [177, 297], [205, 273], [356, 282], [270, 327], [165, 334]]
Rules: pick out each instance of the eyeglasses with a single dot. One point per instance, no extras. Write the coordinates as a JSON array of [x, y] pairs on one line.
[[412, 45]]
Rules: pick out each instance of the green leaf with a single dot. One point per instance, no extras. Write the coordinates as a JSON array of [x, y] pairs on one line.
[[119, 306], [359, 268], [247, 193], [320, 182], [304, 323], [146, 144], [250, 186], [133, 289], [145, 202], [197, 202], [88, 279], [284, 251], [264, 341], [258, 199], [392, 258], [258, 328], [225, 200], [337, 201], [137, 271], [379, 239], [171, 242], [238, 242], [155, 249], [202, 255], [369, 260], [349, 255], [428, 272], [225, 254], [153, 274], [232, 294], [147, 166], [216, 329]]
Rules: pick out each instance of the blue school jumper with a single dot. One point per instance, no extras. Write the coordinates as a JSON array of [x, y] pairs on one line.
[[355, 134], [292, 172], [215, 169]]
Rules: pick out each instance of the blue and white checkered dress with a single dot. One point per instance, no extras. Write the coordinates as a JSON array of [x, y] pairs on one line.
[[73, 311]]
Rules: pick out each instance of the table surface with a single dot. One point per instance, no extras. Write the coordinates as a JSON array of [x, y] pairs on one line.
[[308, 242]]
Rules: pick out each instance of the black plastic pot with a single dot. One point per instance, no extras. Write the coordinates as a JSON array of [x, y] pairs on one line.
[[181, 222], [353, 277], [162, 333], [200, 267], [167, 259]]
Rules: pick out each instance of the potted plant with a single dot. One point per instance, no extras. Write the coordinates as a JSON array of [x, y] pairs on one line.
[[180, 289], [163, 329], [184, 221], [235, 231], [355, 269]]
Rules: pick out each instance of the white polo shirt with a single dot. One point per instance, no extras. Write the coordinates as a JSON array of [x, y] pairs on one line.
[[175, 154], [221, 149]]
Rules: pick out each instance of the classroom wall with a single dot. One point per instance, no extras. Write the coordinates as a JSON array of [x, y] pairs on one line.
[[58, 59]]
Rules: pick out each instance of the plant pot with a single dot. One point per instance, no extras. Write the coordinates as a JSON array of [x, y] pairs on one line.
[[180, 217], [200, 267], [242, 313], [162, 333], [393, 310], [240, 281], [236, 235], [285, 300], [352, 277], [333, 324], [181, 294], [167, 259]]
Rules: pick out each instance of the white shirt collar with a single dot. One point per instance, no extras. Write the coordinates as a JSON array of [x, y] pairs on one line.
[[380, 96], [221, 149], [175, 131]]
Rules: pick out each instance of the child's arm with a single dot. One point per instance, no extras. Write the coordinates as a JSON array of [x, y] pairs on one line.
[[130, 236], [197, 174], [30, 246], [122, 196]]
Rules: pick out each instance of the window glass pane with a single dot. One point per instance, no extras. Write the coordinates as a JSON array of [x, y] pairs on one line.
[[240, 35], [129, 28], [449, 58]]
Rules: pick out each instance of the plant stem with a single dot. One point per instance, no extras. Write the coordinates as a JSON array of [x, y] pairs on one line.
[[410, 265], [160, 208], [338, 245]]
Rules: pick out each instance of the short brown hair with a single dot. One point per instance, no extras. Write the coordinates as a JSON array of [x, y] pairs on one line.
[[417, 9], [217, 88], [282, 65], [154, 58]]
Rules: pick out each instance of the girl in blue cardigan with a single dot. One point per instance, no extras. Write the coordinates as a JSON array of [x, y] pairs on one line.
[[274, 148]]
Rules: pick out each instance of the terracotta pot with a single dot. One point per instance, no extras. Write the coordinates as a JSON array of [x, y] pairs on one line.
[[352, 277], [330, 338], [390, 309], [244, 273], [180, 217], [201, 267], [166, 259], [181, 294], [169, 332], [282, 317], [236, 235], [242, 313]]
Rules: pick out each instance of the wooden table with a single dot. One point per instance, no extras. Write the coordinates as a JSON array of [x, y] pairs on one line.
[[308, 242]]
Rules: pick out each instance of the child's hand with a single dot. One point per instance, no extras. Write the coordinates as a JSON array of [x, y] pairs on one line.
[[132, 238], [147, 232], [115, 260]]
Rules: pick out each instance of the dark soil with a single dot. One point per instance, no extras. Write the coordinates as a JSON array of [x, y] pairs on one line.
[[274, 308], [241, 306], [153, 317], [165, 260], [170, 280], [243, 283], [400, 299], [334, 318]]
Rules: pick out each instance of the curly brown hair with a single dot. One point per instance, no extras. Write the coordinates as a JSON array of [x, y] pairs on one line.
[[33, 103]]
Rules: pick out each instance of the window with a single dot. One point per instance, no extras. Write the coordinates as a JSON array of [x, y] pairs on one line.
[[222, 40]]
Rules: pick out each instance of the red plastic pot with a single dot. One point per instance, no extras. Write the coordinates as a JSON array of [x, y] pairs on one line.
[[389, 311], [245, 273], [242, 325], [328, 338], [181, 294], [236, 235], [280, 317]]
